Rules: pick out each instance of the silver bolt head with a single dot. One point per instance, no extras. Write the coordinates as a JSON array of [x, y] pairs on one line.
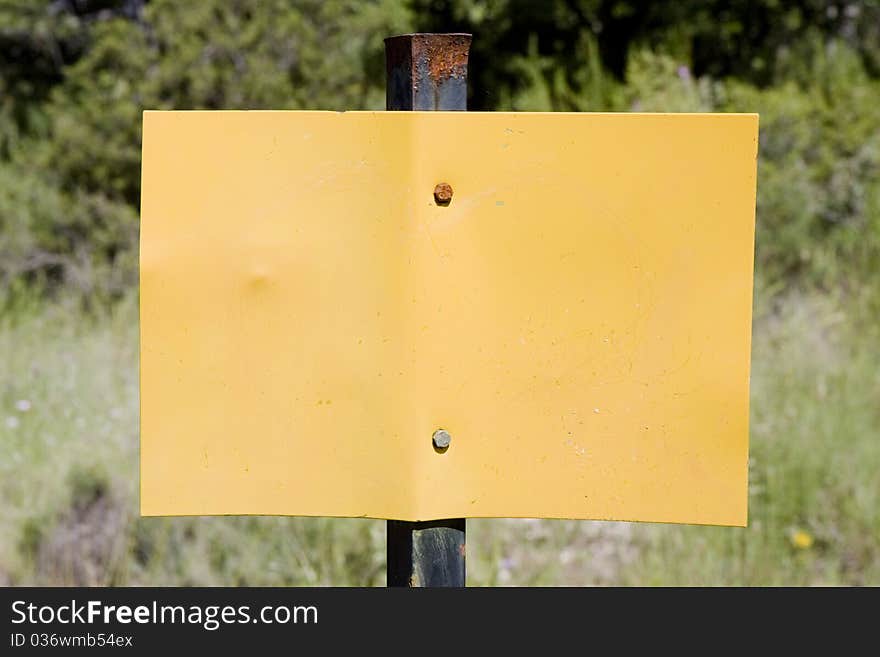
[[442, 439]]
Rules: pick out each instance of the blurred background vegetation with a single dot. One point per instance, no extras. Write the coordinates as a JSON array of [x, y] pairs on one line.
[[74, 78]]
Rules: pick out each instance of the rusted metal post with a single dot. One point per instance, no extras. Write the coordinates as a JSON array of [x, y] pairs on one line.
[[427, 72]]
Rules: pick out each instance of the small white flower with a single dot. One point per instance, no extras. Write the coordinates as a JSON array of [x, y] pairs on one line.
[[12, 422], [23, 405]]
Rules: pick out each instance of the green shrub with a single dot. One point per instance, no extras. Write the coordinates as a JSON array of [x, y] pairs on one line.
[[818, 174]]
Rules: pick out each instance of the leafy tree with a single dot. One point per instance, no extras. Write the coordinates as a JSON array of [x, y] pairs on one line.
[[758, 41]]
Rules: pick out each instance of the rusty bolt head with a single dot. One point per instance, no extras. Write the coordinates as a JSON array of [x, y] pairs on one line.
[[441, 439], [443, 194]]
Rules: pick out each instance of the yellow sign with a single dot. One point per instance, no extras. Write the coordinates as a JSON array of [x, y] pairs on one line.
[[573, 309]]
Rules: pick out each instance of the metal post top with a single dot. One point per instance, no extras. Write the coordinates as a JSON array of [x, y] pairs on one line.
[[430, 35], [427, 71]]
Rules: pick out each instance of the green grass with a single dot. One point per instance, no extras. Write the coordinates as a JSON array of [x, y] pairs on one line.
[[69, 469]]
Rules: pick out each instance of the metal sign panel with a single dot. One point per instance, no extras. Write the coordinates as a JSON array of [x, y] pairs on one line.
[[577, 317]]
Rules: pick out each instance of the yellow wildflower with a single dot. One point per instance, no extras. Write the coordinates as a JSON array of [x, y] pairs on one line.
[[802, 540]]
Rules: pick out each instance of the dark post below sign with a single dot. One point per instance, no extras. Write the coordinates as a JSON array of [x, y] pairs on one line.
[[427, 72]]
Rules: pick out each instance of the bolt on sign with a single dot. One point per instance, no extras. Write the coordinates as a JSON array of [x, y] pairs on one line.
[[423, 315]]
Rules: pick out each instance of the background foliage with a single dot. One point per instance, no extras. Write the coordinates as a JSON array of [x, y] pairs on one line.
[[74, 78]]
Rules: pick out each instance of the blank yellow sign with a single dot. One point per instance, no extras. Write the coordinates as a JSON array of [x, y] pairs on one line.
[[578, 318]]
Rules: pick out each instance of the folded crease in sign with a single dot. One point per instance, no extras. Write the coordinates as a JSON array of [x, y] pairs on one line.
[[577, 319]]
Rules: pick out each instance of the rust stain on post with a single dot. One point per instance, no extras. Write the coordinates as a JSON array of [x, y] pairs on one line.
[[445, 55]]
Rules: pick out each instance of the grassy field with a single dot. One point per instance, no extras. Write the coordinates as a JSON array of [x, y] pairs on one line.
[[69, 471]]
